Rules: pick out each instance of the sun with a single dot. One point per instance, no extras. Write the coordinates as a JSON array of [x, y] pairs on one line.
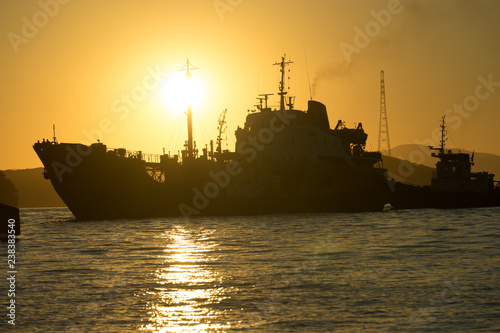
[[182, 89]]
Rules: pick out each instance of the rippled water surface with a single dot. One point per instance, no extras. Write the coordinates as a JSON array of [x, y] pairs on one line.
[[395, 271]]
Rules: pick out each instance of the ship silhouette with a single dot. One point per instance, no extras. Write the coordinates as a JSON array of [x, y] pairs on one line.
[[453, 184], [285, 161]]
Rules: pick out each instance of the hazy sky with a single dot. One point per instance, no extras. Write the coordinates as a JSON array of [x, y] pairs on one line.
[[103, 66]]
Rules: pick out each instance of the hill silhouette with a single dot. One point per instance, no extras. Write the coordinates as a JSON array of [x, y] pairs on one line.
[[32, 189], [8, 192], [405, 172]]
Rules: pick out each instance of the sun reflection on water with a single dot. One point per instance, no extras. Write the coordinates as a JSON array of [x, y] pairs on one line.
[[186, 289]]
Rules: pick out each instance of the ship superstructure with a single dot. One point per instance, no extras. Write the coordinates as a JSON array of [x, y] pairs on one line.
[[285, 161], [453, 170]]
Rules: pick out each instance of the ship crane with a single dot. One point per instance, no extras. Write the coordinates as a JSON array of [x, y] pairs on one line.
[[222, 130]]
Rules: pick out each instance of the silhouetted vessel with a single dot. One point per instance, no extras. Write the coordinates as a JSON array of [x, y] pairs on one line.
[[453, 185], [9, 213], [286, 161], [10, 223]]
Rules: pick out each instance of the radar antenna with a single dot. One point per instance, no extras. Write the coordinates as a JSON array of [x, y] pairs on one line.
[[264, 98], [187, 68], [291, 101]]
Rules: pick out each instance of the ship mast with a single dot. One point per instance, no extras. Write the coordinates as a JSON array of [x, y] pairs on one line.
[[190, 151], [443, 135], [442, 141], [282, 92]]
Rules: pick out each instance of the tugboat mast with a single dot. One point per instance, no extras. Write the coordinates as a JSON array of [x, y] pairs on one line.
[[443, 136], [282, 92], [190, 151], [442, 141]]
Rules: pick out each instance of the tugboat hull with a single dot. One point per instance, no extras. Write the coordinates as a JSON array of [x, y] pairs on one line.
[[408, 196]]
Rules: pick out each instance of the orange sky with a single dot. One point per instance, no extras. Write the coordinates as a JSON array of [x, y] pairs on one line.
[[73, 63]]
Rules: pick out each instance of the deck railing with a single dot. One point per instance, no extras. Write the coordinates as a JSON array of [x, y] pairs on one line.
[[147, 157]]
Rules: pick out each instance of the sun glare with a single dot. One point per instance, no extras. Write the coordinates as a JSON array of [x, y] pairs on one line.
[[181, 90]]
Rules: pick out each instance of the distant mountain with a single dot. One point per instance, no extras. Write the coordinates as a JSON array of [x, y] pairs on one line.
[[487, 162], [419, 154], [406, 172], [32, 189]]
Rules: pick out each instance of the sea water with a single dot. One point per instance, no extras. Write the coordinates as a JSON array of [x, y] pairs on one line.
[[395, 271]]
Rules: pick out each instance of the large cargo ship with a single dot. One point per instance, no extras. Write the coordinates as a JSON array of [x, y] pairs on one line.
[[453, 184], [285, 161]]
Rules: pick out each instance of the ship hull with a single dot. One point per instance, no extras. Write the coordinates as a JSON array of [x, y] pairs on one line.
[[102, 186]]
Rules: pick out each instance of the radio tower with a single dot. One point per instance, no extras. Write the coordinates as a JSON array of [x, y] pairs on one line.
[[384, 145]]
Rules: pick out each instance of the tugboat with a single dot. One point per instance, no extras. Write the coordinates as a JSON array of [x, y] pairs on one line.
[[453, 184], [285, 161]]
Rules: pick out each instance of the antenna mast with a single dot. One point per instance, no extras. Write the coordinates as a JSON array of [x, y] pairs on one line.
[[189, 113], [384, 145], [282, 92], [442, 142], [54, 132], [443, 135]]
